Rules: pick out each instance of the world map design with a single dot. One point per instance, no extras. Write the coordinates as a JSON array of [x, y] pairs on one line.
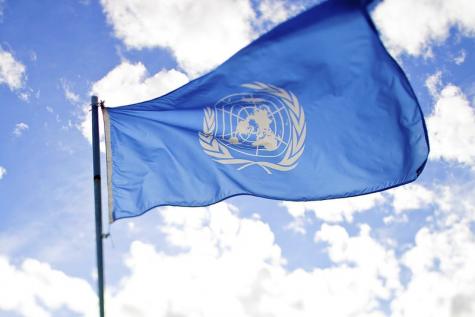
[[257, 124]]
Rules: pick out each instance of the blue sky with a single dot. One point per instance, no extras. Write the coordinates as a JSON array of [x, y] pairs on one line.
[[404, 252]]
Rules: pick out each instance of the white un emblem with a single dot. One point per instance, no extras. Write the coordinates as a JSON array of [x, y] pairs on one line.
[[265, 127]]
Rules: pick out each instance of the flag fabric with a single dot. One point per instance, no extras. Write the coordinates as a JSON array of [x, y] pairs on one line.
[[314, 109]]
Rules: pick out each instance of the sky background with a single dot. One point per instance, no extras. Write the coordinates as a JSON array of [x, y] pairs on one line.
[[409, 251]]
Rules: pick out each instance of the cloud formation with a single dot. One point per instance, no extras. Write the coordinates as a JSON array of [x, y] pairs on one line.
[[399, 200], [69, 94], [20, 128], [199, 34], [335, 210], [12, 72], [460, 58], [217, 263], [412, 26], [3, 172], [443, 279], [129, 83], [36, 289], [451, 126], [411, 197], [232, 266]]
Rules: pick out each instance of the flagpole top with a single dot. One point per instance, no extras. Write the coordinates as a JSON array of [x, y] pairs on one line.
[[94, 100]]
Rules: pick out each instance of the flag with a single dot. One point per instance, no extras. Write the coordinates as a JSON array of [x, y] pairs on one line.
[[314, 109]]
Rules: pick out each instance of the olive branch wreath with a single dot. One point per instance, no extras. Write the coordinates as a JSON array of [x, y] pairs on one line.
[[295, 147]]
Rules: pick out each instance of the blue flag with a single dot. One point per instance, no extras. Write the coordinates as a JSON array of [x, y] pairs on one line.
[[314, 109]]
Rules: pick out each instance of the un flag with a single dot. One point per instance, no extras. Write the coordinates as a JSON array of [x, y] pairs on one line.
[[314, 109]]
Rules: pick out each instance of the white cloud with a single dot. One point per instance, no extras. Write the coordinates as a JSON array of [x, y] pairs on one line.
[[442, 199], [20, 128], [335, 210], [36, 289], [24, 96], [441, 281], [12, 72], [362, 251], [451, 127], [460, 59], [450, 203], [456, 203], [69, 94], [200, 34], [434, 84], [218, 263], [443, 278], [130, 83], [298, 224], [412, 26], [411, 197], [232, 266], [277, 11], [441, 262], [3, 172]]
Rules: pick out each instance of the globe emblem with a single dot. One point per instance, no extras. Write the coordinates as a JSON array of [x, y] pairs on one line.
[[254, 124], [264, 128]]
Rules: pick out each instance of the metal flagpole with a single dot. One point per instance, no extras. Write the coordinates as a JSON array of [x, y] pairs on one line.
[[96, 156]]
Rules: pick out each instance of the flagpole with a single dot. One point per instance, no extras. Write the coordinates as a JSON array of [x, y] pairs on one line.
[[96, 157]]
